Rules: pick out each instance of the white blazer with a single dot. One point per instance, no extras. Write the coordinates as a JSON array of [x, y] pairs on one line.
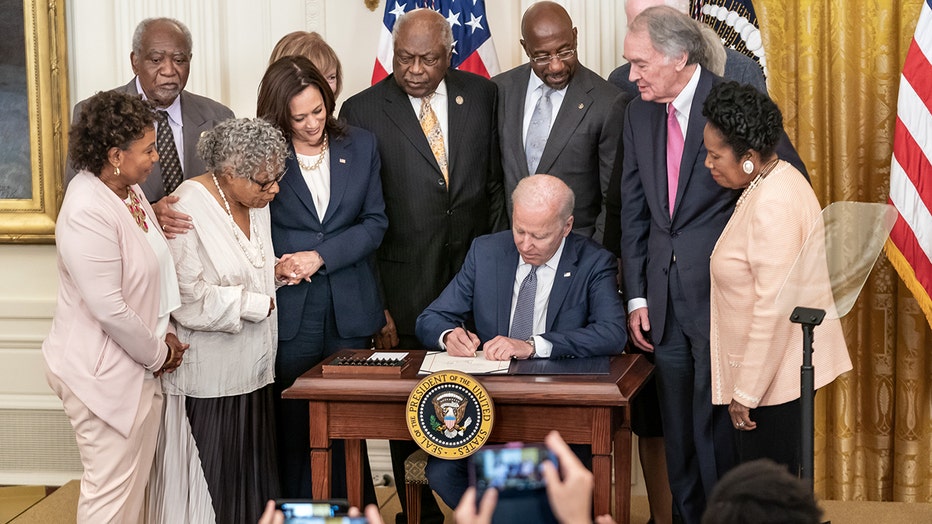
[[102, 339]]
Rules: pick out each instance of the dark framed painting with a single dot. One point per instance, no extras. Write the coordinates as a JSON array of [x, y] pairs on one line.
[[33, 118]]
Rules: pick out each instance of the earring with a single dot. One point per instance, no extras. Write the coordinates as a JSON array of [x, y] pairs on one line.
[[116, 170], [747, 167]]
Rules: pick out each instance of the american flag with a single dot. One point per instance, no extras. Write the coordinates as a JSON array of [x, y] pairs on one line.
[[910, 245], [473, 49], [736, 22]]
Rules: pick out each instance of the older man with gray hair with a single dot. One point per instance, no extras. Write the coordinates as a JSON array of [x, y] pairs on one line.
[[672, 213], [557, 287], [735, 65], [161, 60]]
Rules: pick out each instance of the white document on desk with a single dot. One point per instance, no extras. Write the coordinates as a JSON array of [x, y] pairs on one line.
[[477, 365]]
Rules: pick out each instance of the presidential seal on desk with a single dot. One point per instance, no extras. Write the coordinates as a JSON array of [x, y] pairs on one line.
[[449, 414]]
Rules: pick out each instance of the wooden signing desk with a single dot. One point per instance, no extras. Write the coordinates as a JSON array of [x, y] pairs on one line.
[[585, 409]]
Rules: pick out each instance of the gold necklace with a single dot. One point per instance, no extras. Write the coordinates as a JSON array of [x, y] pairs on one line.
[[757, 180], [320, 159], [135, 208], [255, 230]]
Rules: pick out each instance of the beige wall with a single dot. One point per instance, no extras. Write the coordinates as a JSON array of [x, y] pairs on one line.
[[232, 42]]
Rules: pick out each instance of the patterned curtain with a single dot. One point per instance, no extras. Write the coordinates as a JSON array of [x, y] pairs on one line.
[[834, 70]]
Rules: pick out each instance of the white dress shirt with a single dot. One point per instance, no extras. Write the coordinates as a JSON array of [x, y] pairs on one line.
[[317, 180]]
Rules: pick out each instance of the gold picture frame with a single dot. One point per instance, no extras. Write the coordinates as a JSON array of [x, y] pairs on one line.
[[29, 216]]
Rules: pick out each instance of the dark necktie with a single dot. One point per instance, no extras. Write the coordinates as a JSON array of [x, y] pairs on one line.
[[522, 323], [172, 175]]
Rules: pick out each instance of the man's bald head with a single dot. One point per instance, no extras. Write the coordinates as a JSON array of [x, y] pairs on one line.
[[549, 40], [542, 217]]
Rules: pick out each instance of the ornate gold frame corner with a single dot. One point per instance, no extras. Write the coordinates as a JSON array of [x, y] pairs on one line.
[[32, 220]]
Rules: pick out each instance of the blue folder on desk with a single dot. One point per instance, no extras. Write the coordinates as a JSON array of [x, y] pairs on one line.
[[560, 366]]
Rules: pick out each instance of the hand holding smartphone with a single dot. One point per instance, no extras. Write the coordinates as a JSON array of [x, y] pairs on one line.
[[301, 511], [509, 468]]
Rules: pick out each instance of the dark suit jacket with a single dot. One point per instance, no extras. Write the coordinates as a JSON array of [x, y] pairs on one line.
[[738, 67], [584, 314], [346, 237], [581, 148], [198, 114], [430, 228], [650, 238]]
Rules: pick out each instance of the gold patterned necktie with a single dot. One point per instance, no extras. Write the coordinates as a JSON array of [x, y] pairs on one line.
[[431, 127], [172, 174]]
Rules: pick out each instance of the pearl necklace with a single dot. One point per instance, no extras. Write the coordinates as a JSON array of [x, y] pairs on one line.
[[320, 159], [757, 180], [255, 230]]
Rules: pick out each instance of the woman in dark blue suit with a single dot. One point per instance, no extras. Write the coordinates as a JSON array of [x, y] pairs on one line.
[[327, 220]]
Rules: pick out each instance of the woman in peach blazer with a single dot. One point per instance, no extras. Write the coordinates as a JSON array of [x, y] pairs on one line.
[[110, 338], [756, 350]]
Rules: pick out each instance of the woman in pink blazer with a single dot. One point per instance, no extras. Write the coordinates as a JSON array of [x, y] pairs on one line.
[[756, 350], [111, 338]]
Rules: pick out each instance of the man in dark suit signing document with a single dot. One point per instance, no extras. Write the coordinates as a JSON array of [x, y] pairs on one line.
[[537, 291], [441, 178]]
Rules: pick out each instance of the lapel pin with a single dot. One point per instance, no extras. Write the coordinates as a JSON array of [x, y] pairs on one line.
[[342, 160], [459, 100], [567, 274], [581, 105]]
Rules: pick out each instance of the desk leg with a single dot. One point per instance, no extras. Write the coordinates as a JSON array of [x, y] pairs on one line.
[[602, 473], [622, 441], [354, 469], [320, 450]]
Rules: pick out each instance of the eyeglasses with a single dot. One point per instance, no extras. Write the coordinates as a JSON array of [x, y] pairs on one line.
[[265, 186], [563, 56]]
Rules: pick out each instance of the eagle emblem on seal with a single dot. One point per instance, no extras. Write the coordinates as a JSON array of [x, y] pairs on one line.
[[449, 409]]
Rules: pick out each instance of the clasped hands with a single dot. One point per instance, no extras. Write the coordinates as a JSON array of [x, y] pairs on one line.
[[292, 268], [463, 343], [175, 355]]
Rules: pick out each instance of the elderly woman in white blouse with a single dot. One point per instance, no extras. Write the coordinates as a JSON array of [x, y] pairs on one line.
[[217, 445]]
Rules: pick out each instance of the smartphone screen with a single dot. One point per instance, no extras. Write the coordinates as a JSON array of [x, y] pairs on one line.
[[509, 468], [317, 512]]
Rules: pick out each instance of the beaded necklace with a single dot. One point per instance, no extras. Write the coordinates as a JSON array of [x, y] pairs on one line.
[[320, 159], [135, 209], [255, 230], [757, 180]]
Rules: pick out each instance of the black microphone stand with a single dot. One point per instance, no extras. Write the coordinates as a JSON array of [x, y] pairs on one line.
[[809, 318]]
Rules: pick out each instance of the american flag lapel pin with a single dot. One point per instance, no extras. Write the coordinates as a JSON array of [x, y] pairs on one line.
[[342, 160], [567, 274]]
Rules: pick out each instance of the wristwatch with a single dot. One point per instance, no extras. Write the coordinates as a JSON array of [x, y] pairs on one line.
[[530, 341]]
